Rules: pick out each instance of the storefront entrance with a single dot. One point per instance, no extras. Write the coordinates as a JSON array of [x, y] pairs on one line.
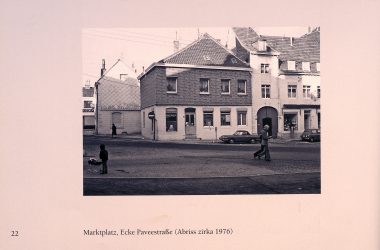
[[190, 125]]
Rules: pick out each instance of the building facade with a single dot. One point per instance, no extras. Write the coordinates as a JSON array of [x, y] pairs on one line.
[[88, 109], [285, 80], [200, 92], [118, 101]]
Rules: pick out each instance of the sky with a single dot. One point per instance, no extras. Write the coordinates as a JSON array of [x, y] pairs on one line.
[[140, 47]]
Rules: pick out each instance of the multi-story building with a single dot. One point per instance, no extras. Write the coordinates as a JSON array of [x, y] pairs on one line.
[[201, 91], [285, 80], [88, 109], [118, 100]]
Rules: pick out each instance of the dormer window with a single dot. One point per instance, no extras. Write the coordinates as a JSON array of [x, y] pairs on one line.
[[123, 77], [318, 67], [263, 45], [206, 58], [233, 60], [305, 66], [291, 65]]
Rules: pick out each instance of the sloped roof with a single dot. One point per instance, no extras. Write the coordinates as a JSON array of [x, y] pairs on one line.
[[205, 51], [115, 94], [304, 48], [247, 36]]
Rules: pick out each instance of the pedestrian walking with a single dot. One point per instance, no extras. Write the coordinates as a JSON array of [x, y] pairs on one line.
[[103, 155], [264, 149], [113, 130]]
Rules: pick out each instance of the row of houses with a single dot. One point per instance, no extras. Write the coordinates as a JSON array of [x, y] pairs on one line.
[[205, 90]]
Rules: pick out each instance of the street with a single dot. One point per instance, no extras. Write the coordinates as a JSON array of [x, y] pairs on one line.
[[143, 167]]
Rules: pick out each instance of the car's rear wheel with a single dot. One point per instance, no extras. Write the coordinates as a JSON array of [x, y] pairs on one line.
[[231, 141]]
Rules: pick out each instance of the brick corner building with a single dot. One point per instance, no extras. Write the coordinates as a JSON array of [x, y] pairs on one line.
[[200, 92]]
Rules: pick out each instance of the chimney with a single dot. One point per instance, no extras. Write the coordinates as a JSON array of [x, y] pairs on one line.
[[309, 29], [176, 45], [103, 69], [218, 40], [291, 41], [176, 42]]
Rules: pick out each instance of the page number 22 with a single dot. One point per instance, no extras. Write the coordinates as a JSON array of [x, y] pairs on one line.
[[14, 233]]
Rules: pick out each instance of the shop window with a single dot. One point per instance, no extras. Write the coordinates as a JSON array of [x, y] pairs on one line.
[[290, 122], [242, 117], [208, 118], [171, 119], [225, 118]]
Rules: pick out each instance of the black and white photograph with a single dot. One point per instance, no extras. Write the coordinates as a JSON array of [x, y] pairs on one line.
[[201, 111], [189, 125]]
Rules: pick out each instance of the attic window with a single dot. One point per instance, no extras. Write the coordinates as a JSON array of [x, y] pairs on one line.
[[263, 45], [123, 77], [306, 66], [318, 67], [291, 65], [206, 58], [233, 60]]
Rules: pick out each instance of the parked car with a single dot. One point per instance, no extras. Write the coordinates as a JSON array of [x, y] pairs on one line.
[[240, 136], [311, 135]]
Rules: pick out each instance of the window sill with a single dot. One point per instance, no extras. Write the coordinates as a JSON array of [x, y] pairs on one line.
[[242, 94], [204, 93], [171, 93], [226, 93]]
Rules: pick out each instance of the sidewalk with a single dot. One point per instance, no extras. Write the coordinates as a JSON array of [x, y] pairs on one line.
[[186, 141]]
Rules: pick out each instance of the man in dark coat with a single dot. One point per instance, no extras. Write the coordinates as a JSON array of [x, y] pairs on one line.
[[103, 155], [113, 130], [264, 150]]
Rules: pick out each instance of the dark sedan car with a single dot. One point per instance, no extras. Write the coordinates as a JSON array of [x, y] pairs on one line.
[[240, 136], [311, 135]]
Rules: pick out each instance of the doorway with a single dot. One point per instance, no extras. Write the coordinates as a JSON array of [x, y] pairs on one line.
[[190, 123], [268, 116], [307, 119]]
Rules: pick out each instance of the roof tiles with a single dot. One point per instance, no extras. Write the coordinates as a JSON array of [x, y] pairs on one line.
[[205, 51], [305, 48]]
